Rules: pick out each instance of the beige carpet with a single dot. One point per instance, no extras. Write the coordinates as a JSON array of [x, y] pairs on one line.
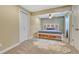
[[37, 47]]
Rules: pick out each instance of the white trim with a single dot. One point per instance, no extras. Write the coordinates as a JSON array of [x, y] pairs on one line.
[[24, 11], [27, 13], [7, 49], [11, 47], [19, 26]]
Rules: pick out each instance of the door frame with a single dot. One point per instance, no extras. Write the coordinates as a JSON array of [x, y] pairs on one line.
[[24, 11], [70, 28]]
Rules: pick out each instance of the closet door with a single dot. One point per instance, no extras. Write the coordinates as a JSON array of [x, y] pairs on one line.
[[75, 27], [23, 26]]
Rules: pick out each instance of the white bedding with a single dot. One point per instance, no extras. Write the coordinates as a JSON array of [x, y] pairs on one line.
[[51, 30]]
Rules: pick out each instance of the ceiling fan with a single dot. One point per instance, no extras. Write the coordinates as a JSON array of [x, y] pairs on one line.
[[50, 16]]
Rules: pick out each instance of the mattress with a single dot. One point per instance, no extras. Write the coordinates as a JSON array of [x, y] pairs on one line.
[[50, 31]]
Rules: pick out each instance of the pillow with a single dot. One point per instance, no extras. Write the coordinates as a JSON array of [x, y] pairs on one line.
[[50, 28]]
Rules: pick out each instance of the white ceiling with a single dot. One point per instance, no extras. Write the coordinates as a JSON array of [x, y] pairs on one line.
[[58, 14], [34, 8]]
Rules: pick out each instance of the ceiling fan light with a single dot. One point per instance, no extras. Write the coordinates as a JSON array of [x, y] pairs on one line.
[[50, 16]]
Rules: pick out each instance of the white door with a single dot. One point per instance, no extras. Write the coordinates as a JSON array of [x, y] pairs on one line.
[[23, 26], [75, 27]]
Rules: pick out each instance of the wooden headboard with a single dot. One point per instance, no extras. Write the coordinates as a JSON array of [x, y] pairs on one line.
[[56, 26]]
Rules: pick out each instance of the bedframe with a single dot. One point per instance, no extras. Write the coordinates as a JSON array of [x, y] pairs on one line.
[[48, 36], [51, 32]]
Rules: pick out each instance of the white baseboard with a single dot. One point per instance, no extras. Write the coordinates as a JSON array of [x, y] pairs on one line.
[[7, 49]]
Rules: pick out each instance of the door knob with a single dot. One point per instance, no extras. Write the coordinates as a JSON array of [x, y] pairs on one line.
[[77, 29], [72, 40]]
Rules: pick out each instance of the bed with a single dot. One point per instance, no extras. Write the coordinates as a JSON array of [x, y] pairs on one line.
[[51, 32]]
